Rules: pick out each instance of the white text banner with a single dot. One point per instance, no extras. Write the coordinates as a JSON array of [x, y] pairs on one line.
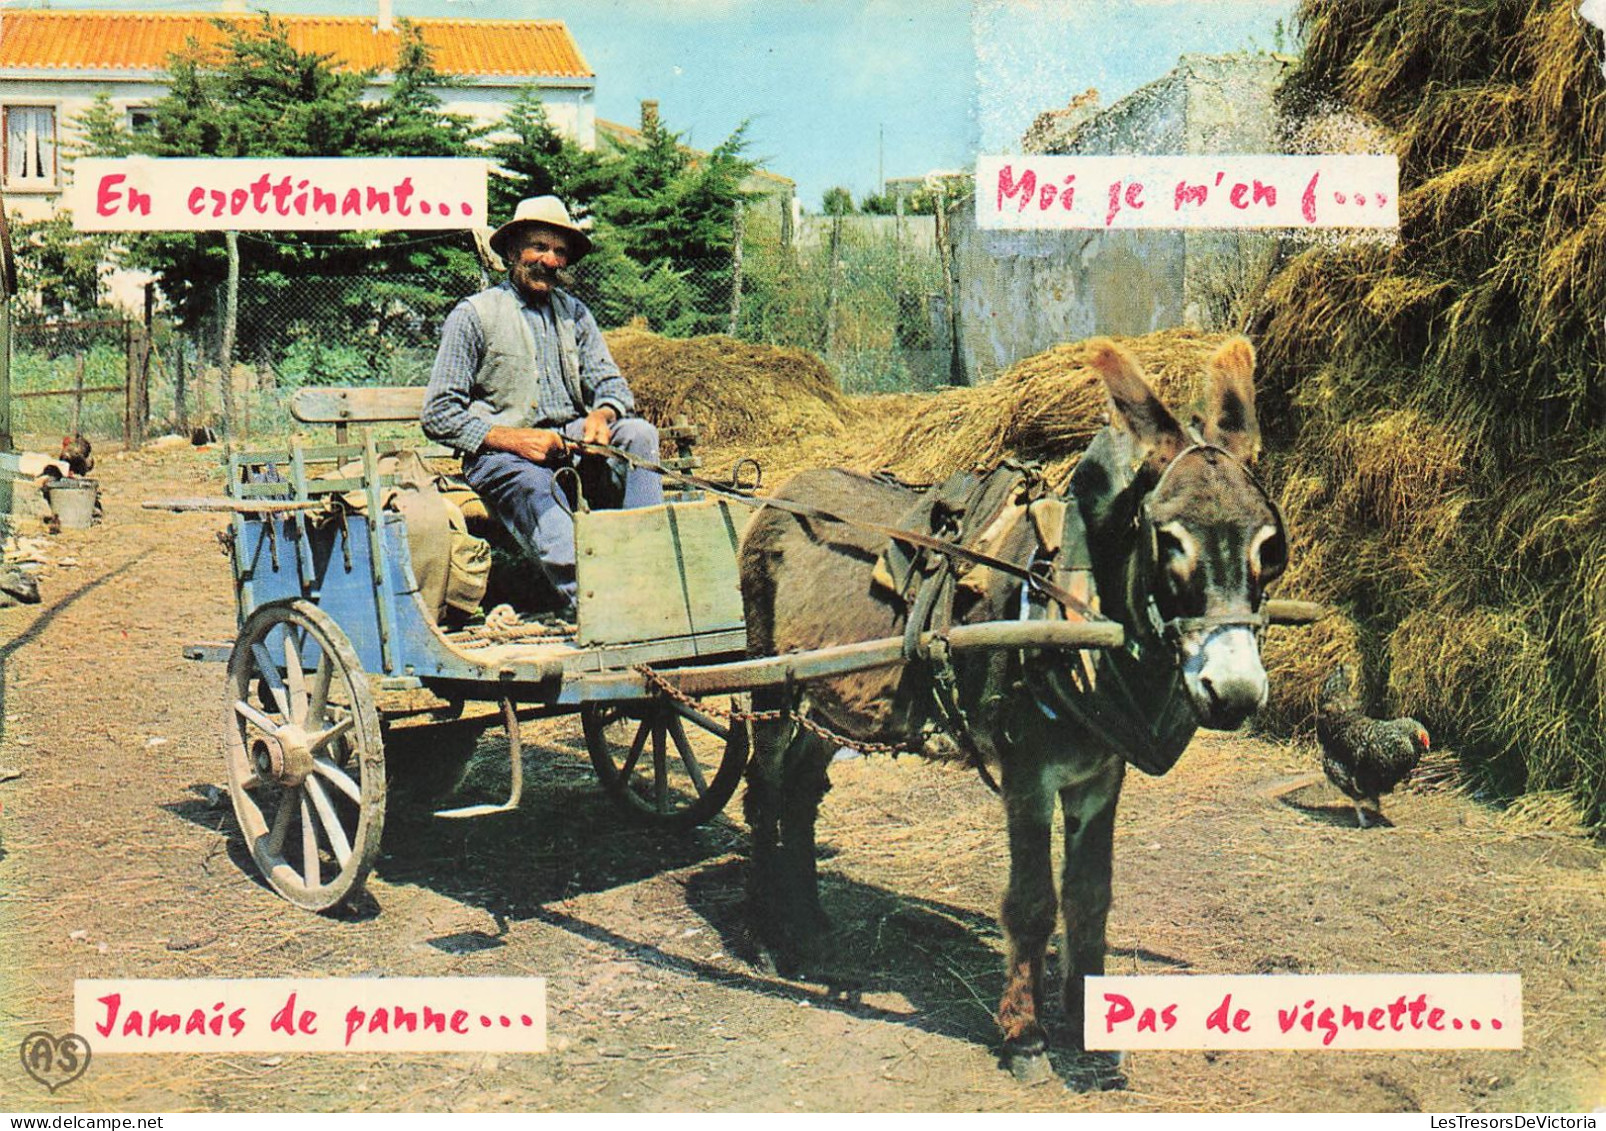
[[1146, 192], [185, 194], [1305, 1011], [312, 1015]]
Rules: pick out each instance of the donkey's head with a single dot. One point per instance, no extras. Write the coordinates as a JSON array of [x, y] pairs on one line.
[[1209, 538]]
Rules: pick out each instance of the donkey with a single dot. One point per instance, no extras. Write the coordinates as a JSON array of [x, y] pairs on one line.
[[1180, 543]]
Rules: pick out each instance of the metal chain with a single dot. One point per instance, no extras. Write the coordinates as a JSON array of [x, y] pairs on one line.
[[733, 716]]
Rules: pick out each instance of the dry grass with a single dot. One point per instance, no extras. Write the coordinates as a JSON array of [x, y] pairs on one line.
[[1441, 399], [736, 392], [1043, 408], [782, 406]]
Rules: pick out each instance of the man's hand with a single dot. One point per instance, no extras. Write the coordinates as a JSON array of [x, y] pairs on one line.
[[538, 445], [599, 425]]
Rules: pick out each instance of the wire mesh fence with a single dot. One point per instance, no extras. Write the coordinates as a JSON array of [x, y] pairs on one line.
[[871, 307], [70, 377]]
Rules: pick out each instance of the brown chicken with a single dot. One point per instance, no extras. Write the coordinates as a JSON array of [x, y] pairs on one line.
[[75, 453], [1364, 757]]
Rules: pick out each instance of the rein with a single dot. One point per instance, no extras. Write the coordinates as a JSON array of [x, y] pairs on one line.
[[1035, 582]]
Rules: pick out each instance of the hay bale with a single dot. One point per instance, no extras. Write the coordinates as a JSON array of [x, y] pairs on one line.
[[737, 392], [1398, 470]]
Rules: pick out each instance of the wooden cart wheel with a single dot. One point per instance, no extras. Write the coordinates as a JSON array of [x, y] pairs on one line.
[[657, 769], [306, 771]]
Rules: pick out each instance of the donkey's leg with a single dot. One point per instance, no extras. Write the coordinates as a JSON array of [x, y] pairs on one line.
[[762, 807], [1085, 895], [1028, 917], [804, 783]]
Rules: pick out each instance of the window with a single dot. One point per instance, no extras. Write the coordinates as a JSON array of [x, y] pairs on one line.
[[141, 120], [30, 144]]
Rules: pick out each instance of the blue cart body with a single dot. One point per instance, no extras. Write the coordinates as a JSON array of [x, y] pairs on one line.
[[333, 554]]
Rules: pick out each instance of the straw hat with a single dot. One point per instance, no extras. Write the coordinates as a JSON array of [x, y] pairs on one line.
[[548, 210]]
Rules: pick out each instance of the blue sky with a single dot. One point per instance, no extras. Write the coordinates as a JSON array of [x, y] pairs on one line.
[[824, 81]]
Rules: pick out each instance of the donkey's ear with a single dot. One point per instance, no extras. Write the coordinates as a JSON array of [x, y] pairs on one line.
[[1231, 422], [1135, 404]]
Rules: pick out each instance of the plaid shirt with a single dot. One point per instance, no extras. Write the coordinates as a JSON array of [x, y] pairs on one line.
[[446, 416]]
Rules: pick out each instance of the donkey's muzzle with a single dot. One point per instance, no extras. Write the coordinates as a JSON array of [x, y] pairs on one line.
[[1225, 678]]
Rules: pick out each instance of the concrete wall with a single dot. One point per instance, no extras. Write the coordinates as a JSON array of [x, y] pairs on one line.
[[1022, 292], [570, 108]]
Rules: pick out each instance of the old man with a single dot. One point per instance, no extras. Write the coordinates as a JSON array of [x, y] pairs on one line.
[[521, 374]]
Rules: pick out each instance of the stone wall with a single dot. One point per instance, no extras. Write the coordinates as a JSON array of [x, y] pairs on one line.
[[1022, 292]]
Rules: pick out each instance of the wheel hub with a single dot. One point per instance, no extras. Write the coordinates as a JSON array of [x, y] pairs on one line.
[[284, 756]]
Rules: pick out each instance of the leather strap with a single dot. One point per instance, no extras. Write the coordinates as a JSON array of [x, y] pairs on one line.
[[1038, 584]]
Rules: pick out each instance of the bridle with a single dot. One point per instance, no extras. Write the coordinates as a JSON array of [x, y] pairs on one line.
[[1122, 711], [1140, 587]]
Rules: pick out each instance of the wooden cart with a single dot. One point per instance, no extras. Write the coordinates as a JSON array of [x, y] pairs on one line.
[[340, 683]]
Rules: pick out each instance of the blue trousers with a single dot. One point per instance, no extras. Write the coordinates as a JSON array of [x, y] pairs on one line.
[[532, 505]]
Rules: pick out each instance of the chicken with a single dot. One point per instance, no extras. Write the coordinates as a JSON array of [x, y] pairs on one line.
[[75, 454], [1364, 757]]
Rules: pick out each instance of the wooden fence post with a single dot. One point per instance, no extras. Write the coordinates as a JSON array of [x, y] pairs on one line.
[[181, 416], [950, 291], [5, 373], [147, 345], [231, 299], [8, 287], [736, 266]]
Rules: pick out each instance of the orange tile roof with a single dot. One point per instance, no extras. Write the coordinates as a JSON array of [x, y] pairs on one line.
[[139, 41]]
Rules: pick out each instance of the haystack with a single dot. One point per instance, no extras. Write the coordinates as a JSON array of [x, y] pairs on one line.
[[1441, 400], [1043, 408], [736, 392]]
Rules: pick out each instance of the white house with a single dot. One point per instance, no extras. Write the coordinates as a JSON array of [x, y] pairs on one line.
[[54, 62]]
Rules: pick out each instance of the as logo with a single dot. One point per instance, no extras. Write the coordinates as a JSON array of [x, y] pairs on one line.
[[54, 1061]]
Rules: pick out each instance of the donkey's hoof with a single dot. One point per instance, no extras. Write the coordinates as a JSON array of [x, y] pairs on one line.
[[1096, 1072], [1030, 1068], [834, 967], [1026, 1056]]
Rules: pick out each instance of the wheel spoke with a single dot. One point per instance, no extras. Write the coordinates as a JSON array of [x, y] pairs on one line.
[[296, 678], [316, 742], [257, 719], [338, 841], [281, 826], [270, 676], [636, 747], [707, 722], [660, 769], [687, 755], [319, 699], [338, 778], [309, 845]]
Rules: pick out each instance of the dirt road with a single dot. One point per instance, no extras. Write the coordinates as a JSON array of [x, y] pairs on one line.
[[121, 860]]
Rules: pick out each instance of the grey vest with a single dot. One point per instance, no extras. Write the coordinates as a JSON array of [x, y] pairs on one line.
[[508, 382]]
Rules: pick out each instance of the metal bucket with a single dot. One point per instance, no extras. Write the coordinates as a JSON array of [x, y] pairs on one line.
[[73, 501]]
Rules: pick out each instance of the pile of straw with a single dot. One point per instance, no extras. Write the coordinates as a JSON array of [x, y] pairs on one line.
[[1441, 401], [737, 393], [1044, 408]]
